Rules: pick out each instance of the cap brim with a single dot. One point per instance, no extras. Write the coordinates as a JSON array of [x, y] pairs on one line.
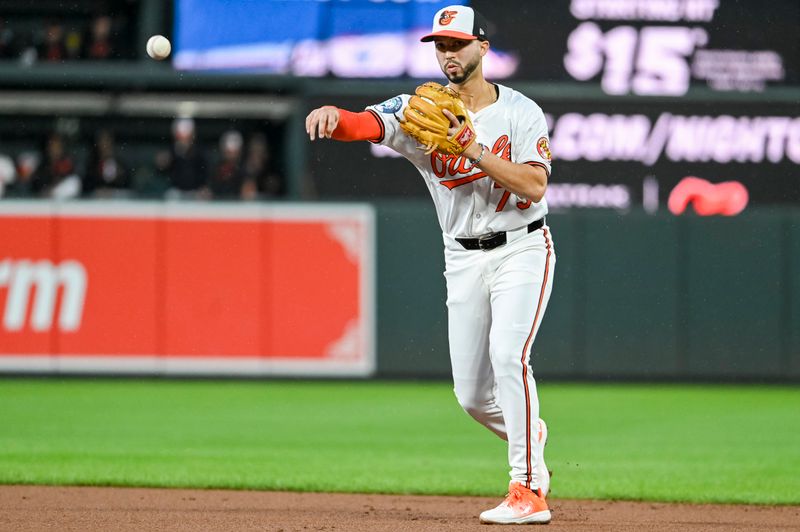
[[448, 33]]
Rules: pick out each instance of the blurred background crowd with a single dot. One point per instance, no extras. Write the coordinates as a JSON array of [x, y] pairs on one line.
[[65, 167], [63, 155], [98, 37]]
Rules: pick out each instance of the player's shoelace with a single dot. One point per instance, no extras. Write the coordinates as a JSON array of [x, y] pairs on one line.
[[515, 495]]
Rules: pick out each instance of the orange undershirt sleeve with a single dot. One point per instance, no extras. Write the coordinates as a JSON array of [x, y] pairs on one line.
[[365, 125]]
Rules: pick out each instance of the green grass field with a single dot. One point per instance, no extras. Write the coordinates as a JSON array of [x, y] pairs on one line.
[[638, 442]]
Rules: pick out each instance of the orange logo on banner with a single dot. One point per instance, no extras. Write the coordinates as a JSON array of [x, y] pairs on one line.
[[728, 198]]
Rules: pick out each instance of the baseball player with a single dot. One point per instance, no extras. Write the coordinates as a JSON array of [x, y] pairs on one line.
[[483, 151]]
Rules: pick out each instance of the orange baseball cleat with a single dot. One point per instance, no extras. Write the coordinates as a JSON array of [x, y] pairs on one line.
[[521, 506]]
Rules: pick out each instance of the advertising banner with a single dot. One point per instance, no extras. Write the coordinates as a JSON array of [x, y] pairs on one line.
[[187, 288]]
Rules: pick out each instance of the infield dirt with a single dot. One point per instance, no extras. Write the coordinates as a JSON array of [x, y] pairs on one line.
[[38, 508]]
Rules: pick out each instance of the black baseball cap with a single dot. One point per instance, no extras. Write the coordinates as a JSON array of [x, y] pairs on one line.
[[459, 22]]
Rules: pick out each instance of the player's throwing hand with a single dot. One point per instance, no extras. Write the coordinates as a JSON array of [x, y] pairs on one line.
[[321, 122]]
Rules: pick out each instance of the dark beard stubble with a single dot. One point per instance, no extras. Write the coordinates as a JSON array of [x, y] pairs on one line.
[[468, 70]]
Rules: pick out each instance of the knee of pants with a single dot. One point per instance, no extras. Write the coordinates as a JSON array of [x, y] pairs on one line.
[[509, 348], [475, 402]]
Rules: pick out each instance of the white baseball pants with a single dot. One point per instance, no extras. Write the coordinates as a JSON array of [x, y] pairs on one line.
[[496, 300]]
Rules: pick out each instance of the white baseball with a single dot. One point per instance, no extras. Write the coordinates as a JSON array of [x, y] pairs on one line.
[[158, 47]]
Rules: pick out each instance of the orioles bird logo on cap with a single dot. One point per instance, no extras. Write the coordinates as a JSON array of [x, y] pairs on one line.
[[447, 17]]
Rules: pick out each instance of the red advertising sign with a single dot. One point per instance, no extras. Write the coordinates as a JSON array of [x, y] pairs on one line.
[[186, 288]]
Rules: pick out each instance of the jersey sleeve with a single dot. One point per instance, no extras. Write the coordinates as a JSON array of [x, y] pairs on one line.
[[530, 142], [389, 114]]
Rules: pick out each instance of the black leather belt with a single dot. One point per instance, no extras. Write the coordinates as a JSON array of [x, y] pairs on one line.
[[493, 240]]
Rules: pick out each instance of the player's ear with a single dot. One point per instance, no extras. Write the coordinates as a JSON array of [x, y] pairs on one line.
[[484, 47]]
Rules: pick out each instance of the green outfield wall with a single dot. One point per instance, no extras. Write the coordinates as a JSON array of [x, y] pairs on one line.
[[635, 296]]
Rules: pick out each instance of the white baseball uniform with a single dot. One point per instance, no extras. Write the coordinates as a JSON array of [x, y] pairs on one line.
[[496, 298]]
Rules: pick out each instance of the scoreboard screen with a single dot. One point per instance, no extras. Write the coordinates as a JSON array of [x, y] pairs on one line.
[[639, 47]]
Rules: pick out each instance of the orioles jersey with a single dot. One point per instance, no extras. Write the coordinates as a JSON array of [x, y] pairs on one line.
[[468, 202]]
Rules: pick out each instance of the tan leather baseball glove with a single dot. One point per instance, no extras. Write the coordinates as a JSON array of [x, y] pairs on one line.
[[425, 122]]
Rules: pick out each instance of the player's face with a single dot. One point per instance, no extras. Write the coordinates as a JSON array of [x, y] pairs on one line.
[[458, 58]]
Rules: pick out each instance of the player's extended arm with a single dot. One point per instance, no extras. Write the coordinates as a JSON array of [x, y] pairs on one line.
[[331, 122], [524, 180]]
